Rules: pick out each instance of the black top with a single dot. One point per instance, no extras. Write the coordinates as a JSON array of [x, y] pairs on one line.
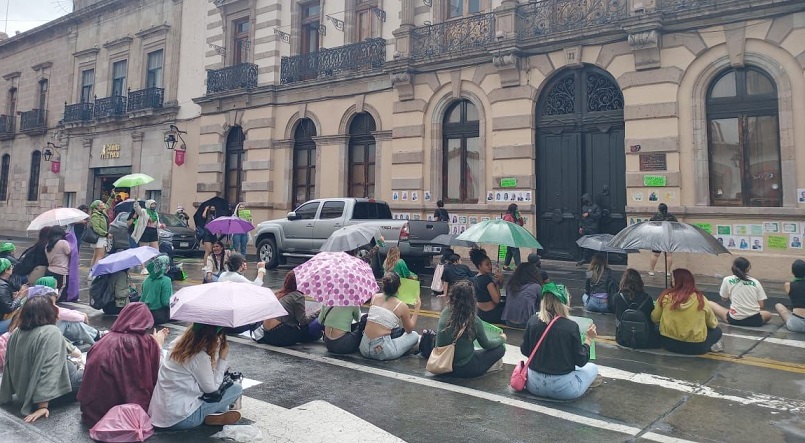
[[481, 282], [663, 217], [441, 215], [606, 283], [562, 349], [622, 303], [797, 294], [454, 272], [7, 302]]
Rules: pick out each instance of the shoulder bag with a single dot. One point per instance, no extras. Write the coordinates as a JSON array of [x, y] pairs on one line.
[[520, 373], [441, 357], [90, 236]]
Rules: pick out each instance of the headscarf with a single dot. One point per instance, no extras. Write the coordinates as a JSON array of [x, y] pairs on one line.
[[94, 205], [552, 288], [8, 247], [48, 281], [152, 214], [4, 264], [157, 266], [40, 290]]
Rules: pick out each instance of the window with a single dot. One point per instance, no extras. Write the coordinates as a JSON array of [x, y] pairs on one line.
[[304, 162], [87, 83], [744, 140], [43, 94], [332, 210], [119, 70], [33, 180], [12, 101], [307, 211], [233, 172], [240, 40], [361, 166], [155, 195], [461, 8], [5, 166], [153, 75], [371, 211], [367, 22], [69, 200], [311, 20], [462, 153]]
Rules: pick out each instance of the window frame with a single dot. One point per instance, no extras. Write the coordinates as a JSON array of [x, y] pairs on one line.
[[85, 90], [34, 176], [448, 11], [306, 23], [236, 149], [240, 54], [363, 139], [42, 94], [11, 106], [5, 170], [366, 7], [328, 212], [122, 80], [462, 130], [159, 73], [303, 141]]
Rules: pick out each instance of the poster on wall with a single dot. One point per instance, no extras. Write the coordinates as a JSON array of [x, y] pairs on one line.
[[791, 227], [427, 196], [414, 196], [729, 241], [462, 219], [756, 229], [771, 227], [743, 243], [490, 196], [778, 242], [801, 195], [706, 227], [740, 229], [528, 196], [404, 196], [473, 220], [796, 241], [723, 229], [757, 243], [395, 196], [483, 219]]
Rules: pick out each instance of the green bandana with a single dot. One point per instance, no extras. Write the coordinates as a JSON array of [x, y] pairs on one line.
[[7, 247], [47, 281], [4, 265], [557, 290]]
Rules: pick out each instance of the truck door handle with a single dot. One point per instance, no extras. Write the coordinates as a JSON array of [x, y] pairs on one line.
[[310, 225], [338, 225]]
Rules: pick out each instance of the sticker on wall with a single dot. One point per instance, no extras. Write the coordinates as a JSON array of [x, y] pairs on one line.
[[414, 196], [653, 196], [801, 195], [771, 227], [473, 220], [427, 196], [796, 241], [778, 242], [490, 196], [791, 227], [395, 196], [740, 229], [463, 219], [756, 229], [637, 196], [528, 196], [404, 196], [723, 229], [757, 243]]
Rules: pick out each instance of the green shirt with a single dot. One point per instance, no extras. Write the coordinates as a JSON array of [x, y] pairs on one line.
[[340, 317], [464, 346], [157, 292], [401, 269]]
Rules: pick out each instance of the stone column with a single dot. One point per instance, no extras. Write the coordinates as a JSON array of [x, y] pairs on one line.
[[136, 151], [403, 33]]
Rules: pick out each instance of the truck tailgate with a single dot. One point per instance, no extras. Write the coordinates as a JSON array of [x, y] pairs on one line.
[[421, 232]]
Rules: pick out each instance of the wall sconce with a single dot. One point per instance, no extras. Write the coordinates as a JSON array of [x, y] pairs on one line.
[[47, 152], [173, 136]]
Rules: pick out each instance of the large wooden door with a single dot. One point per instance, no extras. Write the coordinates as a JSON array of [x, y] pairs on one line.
[[559, 179]]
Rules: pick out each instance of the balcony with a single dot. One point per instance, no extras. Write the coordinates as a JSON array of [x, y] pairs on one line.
[[241, 76], [453, 37], [672, 6], [114, 106], [33, 121], [146, 99], [6, 127], [79, 112], [367, 55], [549, 17]]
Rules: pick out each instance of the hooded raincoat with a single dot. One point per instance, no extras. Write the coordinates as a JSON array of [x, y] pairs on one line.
[[589, 225], [157, 288]]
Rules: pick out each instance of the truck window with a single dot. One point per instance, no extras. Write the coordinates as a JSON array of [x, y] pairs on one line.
[[333, 209], [307, 211], [371, 211]]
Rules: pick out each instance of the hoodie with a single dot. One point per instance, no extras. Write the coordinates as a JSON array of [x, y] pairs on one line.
[[144, 219], [157, 287], [589, 225], [686, 323]]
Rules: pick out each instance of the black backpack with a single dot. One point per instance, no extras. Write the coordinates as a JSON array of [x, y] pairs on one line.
[[26, 263], [100, 294], [633, 329]]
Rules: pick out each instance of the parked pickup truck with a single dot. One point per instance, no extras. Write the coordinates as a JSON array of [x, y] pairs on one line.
[[304, 231]]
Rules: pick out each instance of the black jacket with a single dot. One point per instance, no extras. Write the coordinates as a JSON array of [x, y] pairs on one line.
[[607, 283], [7, 302], [562, 349], [589, 225]]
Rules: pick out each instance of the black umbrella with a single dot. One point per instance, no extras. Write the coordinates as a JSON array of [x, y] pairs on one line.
[[451, 240], [221, 209], [600, 243], [127, 206]]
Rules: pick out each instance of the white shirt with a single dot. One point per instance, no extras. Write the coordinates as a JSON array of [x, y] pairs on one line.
[[744, 296], [176, 395], [238, 278]]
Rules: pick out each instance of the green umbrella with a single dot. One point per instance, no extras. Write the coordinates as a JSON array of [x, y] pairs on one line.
[[500, 232], [132, 180]]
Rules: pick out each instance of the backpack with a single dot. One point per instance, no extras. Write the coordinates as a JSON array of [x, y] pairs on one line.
[[633, 330], [427, 342], [100, 294], [27, 262]]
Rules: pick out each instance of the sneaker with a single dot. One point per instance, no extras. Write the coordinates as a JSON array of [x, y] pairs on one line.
[[237, 405], [223, 419], [717, 347], [651, 273], [599, 380], [506, 268]]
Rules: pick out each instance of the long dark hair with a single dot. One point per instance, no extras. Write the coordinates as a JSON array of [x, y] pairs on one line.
[[235, 262], [477, 256], [598, 265], [461, 300], [512, 208], [44, 236], [222, 257], [631, 284], [740, 267], [56, 233], [524, 274], [288, 286]]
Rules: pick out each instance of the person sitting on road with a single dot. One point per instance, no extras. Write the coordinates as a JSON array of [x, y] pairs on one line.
[[7, 251], [122, 290], [600, 286], [746, 297], [386, 313], [632, 294], [196, 365], [214, 264], [394, 263], [522, 295], [687, 322], [74, 325], [455, 271], [10, 295], [342, 328], [295, 327], [459, 324], [37, 369], [158, 289], [487, 293], [561, 368], [123, 366], [236, 265], [795, 318]]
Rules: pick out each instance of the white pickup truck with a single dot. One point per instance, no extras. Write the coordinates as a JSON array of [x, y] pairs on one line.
[[304, 231]]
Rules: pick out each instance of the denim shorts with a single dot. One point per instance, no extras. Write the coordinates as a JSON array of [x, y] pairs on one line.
[[795, 323]]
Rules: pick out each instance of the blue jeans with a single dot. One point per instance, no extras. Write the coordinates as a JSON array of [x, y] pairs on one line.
[[132, 244], [4, 326], [197, 418], [77, 331], [562, 387], [387, 348], [595, 304], [239, 242]]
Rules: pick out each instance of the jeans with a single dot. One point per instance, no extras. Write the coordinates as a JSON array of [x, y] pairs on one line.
[[4, 325], [197, 417], [692, 348], [562, 387], [346, 344], [387, 348], [239, 242], [512, 253], [481, 361], [132, 244], [76, 331], [76, 376], [595, 304]]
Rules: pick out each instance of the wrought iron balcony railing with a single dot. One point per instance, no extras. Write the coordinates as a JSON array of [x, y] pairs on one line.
[[33, 121], [144, 99], [6, 127], [78, 112], [453, 36], [231, 78], [366, 55], [114, 106], [682, 5], [546, 17]]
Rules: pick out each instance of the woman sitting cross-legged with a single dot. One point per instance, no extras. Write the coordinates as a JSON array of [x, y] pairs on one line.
[[746, 297], [214, 265], [522, 295], [633, 296], [600, 286], [342, 335], [386, 313], [561, 368], [459, 324], [236, 265], [295, 327]]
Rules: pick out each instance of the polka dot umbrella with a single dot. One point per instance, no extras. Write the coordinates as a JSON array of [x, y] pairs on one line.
[[336, 279]]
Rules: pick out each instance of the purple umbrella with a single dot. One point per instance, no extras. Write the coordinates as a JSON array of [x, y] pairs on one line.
[[124, 260], [229, 225]]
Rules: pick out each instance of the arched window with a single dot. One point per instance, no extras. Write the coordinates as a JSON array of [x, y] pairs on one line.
[[233, 172], [744, 140], [362, 156], [33, 180], [304, 162], [462, 153], [4, 169]]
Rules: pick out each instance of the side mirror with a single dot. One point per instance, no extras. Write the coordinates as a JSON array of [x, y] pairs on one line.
[[292, 216]]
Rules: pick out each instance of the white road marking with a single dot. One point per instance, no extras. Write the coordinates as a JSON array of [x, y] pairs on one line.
[[777, 341]]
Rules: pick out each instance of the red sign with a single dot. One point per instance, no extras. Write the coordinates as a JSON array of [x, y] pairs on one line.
[[55, 167], [179, 157]]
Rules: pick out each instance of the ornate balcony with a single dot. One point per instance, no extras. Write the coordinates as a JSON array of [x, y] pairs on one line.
[[363, 56], [453, 37], [145, 99], [6, 127], [114, 106], [671, 6], [79, 112], [548, 17], [242, 76], [33, 121]]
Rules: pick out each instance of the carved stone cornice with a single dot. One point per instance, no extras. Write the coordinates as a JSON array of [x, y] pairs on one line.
[[154, 30], [118, 43], [86, 53], [328, 140], [41, 66], [646, 48], [508, 65], [403, 82], [12, 75]]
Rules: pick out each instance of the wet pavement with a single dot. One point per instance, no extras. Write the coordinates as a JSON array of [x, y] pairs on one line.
[[754, 391]]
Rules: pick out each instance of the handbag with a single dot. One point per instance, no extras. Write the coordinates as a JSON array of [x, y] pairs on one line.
[[441, 357], [437, 284], [90, 236], [520, 373]]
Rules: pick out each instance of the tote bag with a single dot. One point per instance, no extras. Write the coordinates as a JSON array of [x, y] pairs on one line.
[[441, 358], [437, 284], [409, 291]]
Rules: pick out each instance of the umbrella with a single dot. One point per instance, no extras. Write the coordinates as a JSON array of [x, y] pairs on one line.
[[500, 232], [227, 304], [350, 238], [127, 205], [221, 209], [452, 240], [124, 260], [667, 237], [132, 180], [600, 243], [229, 225], [336, 279], [57, 217]]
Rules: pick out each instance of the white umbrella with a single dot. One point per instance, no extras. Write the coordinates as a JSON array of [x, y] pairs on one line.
[[57, 217], [227, 304], [349, 238]]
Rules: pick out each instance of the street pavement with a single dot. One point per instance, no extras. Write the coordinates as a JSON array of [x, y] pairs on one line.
[[753, 391]]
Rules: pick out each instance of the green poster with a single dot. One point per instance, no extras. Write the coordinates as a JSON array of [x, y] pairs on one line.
[[777, 242], [706, 227], [508, 182], [502, 253], [724, 229], [655, 180]]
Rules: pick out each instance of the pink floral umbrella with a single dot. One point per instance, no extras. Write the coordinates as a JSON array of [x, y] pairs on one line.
[[336, 279]]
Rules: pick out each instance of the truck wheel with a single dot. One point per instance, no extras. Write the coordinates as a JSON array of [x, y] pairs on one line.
[[268, 253]]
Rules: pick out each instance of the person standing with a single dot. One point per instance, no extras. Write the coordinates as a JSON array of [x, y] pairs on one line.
[[146, 231], [512, 215], [239, 241], [58, 253], [661, 215], [441, 214], [99, 222], [208, 238], [183, 216], [588, 225]]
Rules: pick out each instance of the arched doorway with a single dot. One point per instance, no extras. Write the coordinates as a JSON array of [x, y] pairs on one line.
[[361, 161], [233, 169], [304, 162], [580, 149]]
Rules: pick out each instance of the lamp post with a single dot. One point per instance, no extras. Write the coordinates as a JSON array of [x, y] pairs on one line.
[[173, 136], [47, 154]]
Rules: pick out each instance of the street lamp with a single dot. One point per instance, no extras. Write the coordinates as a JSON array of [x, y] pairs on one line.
[[47, 152], [173, 136]]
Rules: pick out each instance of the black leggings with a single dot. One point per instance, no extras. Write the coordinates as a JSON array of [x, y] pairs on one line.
[[684, 347], [346, 344], [284, 335], [481, 361], [492, 316], [161, 316]]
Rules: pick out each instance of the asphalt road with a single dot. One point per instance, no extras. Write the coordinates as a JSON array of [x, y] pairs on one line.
[[754, 391]]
